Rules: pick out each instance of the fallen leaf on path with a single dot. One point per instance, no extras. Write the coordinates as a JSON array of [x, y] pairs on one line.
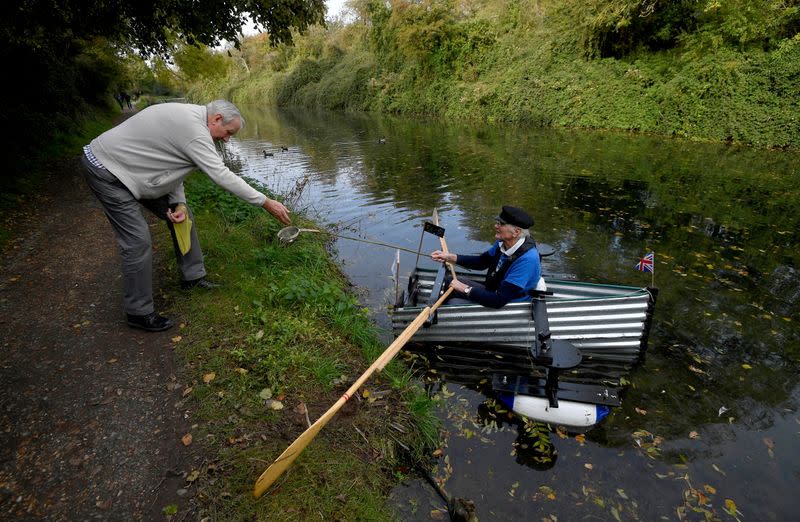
[[640, 411], [694, 435], [177, 339], [187, 439], [274, 405], [207, 378], [194, 475]]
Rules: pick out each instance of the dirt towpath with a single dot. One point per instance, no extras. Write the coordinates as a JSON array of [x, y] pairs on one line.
[[91, 416]]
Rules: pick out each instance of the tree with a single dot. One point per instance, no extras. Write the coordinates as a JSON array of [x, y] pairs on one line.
[[151, 25], [66, 55]]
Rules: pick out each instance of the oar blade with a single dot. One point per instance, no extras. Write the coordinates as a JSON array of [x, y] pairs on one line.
[[291, 453]]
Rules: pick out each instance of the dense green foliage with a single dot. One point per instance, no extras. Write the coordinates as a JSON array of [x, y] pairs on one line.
[[707, 69], [69, 55]]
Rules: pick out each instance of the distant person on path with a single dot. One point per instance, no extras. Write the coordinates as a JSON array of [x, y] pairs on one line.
[[143, 162], [512, 262], [127, 98], [118, 97]]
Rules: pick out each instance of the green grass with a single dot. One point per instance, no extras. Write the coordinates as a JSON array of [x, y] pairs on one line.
[[283, 329]]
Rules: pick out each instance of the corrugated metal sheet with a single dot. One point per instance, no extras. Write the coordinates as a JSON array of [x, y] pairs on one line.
[[604, 321]]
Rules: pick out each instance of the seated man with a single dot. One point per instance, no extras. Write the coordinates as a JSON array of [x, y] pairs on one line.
[[512, 263]]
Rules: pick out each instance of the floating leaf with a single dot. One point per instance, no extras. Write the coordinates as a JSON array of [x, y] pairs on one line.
[[640, 411], [581, 438], [694, 435], [588, 466], [207, 378], [711, 490], [187, 439], [718, 470], [770, 445], [746, 366], [621, 493], [730, 507], [722, 409]]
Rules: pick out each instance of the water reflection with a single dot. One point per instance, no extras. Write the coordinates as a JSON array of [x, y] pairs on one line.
[[723, 224]]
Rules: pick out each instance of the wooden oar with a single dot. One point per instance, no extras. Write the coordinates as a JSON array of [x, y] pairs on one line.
[[291, 453], [295, 448]]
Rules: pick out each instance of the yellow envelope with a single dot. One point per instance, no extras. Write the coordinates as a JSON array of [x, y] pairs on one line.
[[183, 231]]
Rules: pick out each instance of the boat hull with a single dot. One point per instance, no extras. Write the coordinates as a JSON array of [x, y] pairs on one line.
[[605, 322]]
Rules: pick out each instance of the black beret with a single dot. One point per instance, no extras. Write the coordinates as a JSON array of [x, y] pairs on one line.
[[515, 216]]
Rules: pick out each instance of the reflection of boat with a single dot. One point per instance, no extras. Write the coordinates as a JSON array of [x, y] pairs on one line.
[[607, 323], [584, 393]]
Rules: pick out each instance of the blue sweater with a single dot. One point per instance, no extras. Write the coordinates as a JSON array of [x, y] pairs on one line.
[[523, 275]]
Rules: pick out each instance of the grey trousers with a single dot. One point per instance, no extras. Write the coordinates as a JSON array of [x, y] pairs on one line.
[[124, 212]]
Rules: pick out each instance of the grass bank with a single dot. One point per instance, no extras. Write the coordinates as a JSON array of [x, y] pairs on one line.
[[718, 71], [283, 337]]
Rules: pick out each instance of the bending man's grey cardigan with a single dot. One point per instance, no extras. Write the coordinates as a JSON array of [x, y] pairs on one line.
[[155, 150]]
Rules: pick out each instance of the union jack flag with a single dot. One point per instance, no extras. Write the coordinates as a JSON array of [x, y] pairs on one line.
[[647, 263]]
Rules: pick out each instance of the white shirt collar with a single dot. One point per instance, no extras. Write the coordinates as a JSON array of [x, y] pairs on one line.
[[510, 251]]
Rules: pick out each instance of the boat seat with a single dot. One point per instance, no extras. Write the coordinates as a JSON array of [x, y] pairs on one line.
[[545, 250]]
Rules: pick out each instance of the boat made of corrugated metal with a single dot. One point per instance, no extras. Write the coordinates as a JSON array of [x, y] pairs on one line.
[[605, 322]]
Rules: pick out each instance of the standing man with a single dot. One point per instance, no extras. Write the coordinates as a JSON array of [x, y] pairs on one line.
[[143, 162]]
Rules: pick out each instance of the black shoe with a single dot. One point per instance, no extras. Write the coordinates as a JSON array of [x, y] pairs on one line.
[[152, 322], [201, 282]]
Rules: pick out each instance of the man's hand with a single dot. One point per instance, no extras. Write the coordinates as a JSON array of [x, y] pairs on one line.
[[458, 286], [278, 210], [179, 215], [443, 257]]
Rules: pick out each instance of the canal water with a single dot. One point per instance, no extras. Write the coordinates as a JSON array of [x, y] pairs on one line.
[[709, 426]]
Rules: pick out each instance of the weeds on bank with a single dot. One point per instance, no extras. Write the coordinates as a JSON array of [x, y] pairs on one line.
[[271, 351]]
